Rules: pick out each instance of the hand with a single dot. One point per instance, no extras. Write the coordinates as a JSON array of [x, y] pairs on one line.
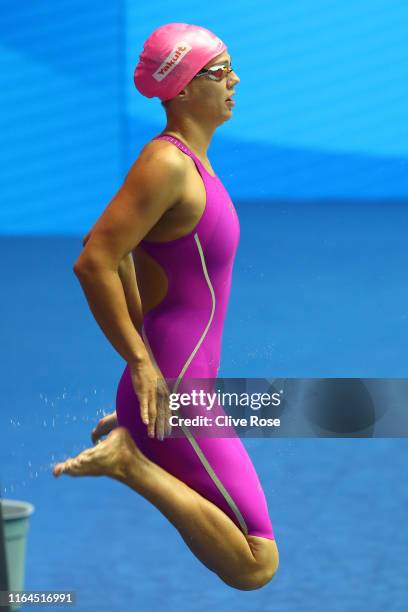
[[153, 394], [105, 426]]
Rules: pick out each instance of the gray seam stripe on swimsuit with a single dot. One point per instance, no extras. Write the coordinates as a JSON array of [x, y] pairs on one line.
[[185, 429]]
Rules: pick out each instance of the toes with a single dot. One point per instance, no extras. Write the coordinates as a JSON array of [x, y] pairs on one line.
[[71, 467], [63, 468], [57, 471], [67, 466]]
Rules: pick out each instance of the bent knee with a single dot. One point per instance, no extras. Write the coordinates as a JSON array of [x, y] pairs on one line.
[[268, 569], [255, 579], [250, 582], [265, 575]]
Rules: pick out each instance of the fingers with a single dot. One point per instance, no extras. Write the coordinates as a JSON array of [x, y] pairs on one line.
[[144, 409], [161, 419], [152, 414], [163, 428], [168, 412], [148, 410], [167, 420], [157, 410], [153, 394]]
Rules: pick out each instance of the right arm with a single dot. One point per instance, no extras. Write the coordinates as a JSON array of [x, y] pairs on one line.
[[152, 186]]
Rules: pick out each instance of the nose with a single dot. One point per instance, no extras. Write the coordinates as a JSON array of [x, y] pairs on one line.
[[233, 77]]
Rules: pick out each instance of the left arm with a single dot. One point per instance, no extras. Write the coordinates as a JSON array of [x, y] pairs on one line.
[[127, 276]]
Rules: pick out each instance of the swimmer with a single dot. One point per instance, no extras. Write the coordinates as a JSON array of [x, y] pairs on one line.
[[156, 270]]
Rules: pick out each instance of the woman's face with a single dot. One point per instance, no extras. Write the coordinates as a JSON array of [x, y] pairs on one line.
[[207, 97]]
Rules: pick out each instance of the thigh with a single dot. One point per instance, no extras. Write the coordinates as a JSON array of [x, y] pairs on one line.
[[220, 469]]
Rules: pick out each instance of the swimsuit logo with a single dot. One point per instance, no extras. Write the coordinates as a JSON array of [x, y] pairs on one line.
[[172, 60]]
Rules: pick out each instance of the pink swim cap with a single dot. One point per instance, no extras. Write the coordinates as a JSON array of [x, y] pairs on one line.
[[172, 56]]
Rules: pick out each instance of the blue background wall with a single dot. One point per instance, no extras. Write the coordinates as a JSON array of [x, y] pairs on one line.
[[320, 111], [61, 106]]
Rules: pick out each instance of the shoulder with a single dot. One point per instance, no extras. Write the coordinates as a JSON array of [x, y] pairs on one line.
[[162, 158], [160, 167]]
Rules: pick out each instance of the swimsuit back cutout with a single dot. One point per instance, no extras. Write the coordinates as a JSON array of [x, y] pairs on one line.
[[198, 267]]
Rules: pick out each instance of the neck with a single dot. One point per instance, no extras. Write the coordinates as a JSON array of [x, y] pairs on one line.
[[196, 137]]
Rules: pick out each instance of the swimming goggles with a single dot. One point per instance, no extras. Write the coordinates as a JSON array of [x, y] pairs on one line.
[[215, 73]]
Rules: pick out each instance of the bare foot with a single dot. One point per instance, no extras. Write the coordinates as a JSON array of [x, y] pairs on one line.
[[108, 458], [104, 426]]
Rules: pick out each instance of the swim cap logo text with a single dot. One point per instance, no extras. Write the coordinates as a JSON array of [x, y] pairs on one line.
[[172, 60]]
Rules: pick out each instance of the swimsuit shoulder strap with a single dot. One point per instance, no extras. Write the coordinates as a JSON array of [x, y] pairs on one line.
[[183, 148]]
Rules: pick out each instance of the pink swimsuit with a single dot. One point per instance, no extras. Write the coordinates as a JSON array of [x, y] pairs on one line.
[[183, 335]]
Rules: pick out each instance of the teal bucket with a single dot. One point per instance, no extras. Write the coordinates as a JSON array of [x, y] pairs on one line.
[[15, 526]]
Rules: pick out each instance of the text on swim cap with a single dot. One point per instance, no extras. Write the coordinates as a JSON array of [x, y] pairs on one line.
[[172, 60]]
